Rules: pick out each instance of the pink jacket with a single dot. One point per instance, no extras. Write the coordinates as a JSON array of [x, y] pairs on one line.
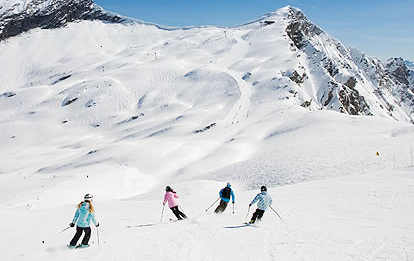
[[170, 197]]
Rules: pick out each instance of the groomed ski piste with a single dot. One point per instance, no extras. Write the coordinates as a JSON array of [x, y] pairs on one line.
[[122, 111]]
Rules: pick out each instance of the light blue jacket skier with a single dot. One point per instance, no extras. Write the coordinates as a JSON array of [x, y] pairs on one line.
[[84, 215], [264, 200]]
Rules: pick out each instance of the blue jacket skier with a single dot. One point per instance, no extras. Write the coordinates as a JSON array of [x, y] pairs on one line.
[[84, 214], [225, 195], [264, 202]]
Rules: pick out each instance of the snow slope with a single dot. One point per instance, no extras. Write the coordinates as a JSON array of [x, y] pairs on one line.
[[121, 111]]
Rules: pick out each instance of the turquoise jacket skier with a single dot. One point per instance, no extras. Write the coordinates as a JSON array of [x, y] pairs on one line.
[[83, 216]]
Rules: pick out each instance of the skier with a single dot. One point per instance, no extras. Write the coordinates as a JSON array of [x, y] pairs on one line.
[[83, 216], [225, 194], [264, 202], [170, 196]]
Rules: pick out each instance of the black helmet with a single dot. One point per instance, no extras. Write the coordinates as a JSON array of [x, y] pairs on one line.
[[168, 188], [263, 188]]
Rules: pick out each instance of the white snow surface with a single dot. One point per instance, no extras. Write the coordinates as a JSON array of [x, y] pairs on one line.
[[122, 111]]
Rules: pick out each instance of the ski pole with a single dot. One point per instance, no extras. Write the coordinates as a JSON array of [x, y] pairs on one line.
[[43, 241], [181, 208], [248, 211], [162, 213], [276, 212], [213, 204], [97, 233], [233, 207]]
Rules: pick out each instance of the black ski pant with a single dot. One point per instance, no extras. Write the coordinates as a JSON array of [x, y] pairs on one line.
[[220, 208], [258, 214], [180, 215], [78, 234]]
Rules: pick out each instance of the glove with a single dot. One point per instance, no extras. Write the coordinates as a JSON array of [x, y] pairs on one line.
[[233, 202], [163, 204], [71, 225], [97, 225], [250, 205], [174, 192]]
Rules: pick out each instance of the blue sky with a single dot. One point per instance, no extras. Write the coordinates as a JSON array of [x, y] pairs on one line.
[[381, 28]]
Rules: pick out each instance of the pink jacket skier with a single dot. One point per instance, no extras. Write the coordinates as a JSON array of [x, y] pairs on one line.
[[170, 196]]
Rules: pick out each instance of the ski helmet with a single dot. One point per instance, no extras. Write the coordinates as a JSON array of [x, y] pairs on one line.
[[168, 188], [88, 197], [263, 188], [228, 184]]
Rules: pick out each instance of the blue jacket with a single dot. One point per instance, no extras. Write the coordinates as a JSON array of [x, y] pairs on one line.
[[83, 216], [264, 200], [231, 194]]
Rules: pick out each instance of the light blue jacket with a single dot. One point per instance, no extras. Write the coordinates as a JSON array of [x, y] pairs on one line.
[[264, 200], [83, 217], [231, 194]]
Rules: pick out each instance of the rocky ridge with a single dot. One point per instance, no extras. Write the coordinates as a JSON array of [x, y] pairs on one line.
[[17, 17]]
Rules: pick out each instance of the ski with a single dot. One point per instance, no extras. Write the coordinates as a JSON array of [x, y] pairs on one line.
[[243, 225], [81, 246], [78, 246]]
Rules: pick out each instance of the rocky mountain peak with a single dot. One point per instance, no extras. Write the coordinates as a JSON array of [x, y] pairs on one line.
[[300, 27], [398, 68]]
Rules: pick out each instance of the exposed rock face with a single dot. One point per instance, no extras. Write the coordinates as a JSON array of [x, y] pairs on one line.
[[398, 68], [349, 74], [46, 14], [352, 102], [297, 78], [301, 28], [351, 82]]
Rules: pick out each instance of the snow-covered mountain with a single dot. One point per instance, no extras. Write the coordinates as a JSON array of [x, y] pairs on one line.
[[348, 80], [17, 16], [323, 73]]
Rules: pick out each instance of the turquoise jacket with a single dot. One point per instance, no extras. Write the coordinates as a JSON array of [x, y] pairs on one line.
[[83, 217], [264, 200]]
